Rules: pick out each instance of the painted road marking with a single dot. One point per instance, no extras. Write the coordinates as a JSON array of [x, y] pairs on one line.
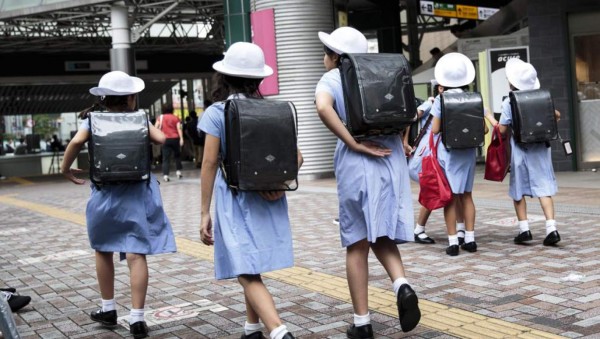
[[176, 312], [436, 316], [18, 230], [513, 221]]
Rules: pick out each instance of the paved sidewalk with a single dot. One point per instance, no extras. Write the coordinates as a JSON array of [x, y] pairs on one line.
[[501, 291]]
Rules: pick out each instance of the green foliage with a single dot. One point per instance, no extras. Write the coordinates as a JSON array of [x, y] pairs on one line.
[[45, 125]]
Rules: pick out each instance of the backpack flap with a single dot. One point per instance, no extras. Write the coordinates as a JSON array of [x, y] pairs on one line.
[[462, 119], [533, 116], [119, 147], [378, 93], [262, 151]]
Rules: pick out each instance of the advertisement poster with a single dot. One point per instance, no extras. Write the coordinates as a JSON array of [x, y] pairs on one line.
[[497, 58]]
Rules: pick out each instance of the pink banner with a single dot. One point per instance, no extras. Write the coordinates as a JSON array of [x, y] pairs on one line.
[[262, 24]]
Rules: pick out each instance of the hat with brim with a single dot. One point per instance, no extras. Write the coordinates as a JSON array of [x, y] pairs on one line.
[[118, 83], [521, 75], [454, 70], [345, 40], [244, 60]]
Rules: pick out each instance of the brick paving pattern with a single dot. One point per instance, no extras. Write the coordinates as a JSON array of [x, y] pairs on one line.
[[501, 291]]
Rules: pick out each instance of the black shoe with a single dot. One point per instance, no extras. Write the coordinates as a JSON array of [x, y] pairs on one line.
[[288, 336], [253, 335], [469, 246], [426, 240], [108, 318], [16, 302], [360, 332], [139, 330], [9, 289], [552, 239], [523, 237], [461, 240], [408, 308], [452, 250]]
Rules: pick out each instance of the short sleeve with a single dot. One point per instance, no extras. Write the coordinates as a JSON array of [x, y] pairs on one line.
[[326, 84], [425, 106], [436, 109], [85, 124], [213, 120], [506, 116]]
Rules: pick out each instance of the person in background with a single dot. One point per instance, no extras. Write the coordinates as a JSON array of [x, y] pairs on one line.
[[531, 171], [196, 137], [125, 217], [170, 125]]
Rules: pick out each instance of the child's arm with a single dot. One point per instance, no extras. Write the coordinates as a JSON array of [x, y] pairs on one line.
[[210, 164], [156, 135], [436, 125], [71, 153]]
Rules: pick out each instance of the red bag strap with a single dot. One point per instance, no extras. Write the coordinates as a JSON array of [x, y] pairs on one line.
[[432, 146]]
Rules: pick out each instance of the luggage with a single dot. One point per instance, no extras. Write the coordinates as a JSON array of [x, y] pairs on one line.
[[119, 147], [533, 117], [378, 93], [462, 119], [261, 145]]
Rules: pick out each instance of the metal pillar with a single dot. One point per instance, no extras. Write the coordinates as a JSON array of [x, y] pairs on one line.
[[121, 55], [237, 21], [412, 10]]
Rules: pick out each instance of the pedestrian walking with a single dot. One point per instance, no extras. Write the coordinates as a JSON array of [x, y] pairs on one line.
[[531, 171], [375, 204], [251, 232], [170, 125], [124, 217]]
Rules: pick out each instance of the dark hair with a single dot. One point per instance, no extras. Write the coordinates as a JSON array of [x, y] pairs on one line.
[[332, 53], [193, 114], [225, 85], [167, 109], [109, 102], [434, 50]]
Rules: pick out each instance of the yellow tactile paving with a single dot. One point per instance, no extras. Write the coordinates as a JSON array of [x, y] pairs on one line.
[[436, 316]]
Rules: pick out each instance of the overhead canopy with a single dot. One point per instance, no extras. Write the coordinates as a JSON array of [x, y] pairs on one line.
[[60, 98]]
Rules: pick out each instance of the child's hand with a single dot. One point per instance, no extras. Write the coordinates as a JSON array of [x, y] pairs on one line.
[[271, 195], [372, 148], [206, 230], [70, 175]]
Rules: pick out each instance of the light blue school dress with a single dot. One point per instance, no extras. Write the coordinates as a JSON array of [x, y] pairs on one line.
[[128, 218], [458, 164], [252, 235], [415, 161], [374, 193], [531, 171]]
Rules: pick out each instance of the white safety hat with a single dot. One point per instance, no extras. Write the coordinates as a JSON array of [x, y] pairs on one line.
[[454, 70], [245, 60], [345, 40], [118, 83], [521, 74]]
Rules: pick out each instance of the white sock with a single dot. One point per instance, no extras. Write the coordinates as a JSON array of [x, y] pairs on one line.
[[419, 229], [453, 240], [278, 332], [108, 305], [397, 283], [550, 226], [135, 315], [251, 328], [361, 320], [523, 225], [469, 236], [460, 227]]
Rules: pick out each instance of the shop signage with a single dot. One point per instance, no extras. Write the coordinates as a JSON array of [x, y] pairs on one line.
[[456, 11]]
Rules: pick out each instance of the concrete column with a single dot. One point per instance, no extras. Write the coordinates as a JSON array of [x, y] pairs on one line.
[[122, 57]]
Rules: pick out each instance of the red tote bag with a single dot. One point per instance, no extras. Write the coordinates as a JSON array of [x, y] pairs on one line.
[[435, 190], [497, 161]]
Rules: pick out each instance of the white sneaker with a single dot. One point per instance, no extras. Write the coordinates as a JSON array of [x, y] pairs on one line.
[[179, 176], [166, 178], [336, 221]]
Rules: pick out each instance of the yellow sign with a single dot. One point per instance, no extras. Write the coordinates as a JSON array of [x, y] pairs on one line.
[[441, 9], [466, 12], [342, 19]]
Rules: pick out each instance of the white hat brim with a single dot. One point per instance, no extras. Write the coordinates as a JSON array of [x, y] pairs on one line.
[[327, 41], [446, 62], [242, 73], [138, 86]]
